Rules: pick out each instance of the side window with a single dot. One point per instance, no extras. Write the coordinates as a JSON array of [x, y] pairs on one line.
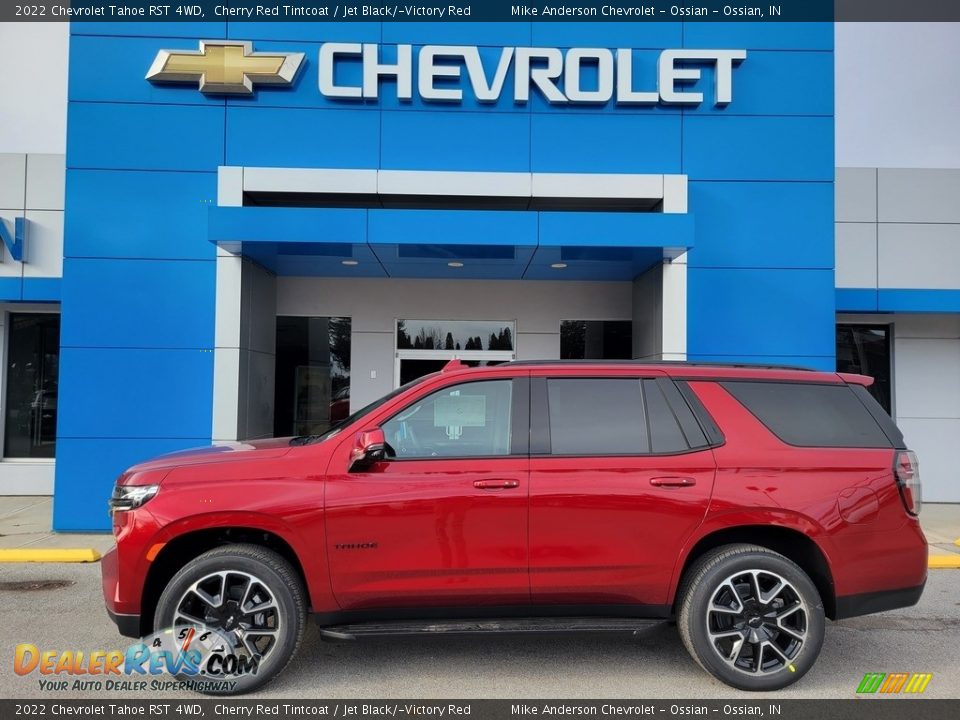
[[597, 416], [466, 420], [810, 415], [665, 433]]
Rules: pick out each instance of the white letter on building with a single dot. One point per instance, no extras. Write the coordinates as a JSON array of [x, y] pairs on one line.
[[429, 70], [571, 75], [723, 85], [373, 70], [478, 76], [328, 59], [669, 73], [625, 92], [541, 77]]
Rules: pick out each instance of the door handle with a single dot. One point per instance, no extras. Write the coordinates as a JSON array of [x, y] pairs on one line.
[[501, 484], [672, 481]]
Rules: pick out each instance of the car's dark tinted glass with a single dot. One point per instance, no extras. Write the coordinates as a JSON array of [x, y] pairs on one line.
[[810, 415], [883, 419], [665, 433], [597, 416], [684, 415]]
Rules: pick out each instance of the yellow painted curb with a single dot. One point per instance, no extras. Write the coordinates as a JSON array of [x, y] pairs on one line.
[[51, 555], [957, 542], [942, 562]]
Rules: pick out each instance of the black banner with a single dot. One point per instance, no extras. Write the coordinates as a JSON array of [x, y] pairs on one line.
[[872, 708], [482, 11]]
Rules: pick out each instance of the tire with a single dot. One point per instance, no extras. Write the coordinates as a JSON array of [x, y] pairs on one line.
[[779, 637], [271, 578]]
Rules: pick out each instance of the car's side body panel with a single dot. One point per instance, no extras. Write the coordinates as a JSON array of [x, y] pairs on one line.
[[563, 531]]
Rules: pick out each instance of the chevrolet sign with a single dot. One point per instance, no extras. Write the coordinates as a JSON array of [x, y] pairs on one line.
[[233, 67]]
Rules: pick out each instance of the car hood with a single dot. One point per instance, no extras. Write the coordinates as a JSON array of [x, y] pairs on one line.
[[219, 453]]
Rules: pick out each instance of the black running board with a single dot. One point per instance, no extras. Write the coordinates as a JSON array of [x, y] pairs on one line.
[[436, 628]]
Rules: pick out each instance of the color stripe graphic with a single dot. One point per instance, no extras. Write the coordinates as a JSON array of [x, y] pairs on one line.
[[892, 683]]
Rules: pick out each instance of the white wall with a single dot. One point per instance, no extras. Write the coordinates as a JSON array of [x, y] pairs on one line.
[[33, 87], [897, 95], [375, 304]]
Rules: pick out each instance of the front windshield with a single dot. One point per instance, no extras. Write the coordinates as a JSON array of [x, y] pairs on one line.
[[353, 417]]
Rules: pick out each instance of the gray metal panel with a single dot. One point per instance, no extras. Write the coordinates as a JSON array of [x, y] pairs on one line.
[[856, 254], [919, 195], [856, 194], [13, 180], [45, 181], [919, 256]]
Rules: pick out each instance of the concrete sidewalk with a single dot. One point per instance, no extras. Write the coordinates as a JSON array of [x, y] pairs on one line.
[[25, 525]]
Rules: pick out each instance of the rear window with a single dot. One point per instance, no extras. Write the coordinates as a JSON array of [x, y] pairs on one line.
[[811, 415]]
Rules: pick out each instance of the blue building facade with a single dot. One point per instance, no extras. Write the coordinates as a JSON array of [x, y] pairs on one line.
[[162, 198]]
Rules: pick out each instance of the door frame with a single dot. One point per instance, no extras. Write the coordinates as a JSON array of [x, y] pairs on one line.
[[478, 355]]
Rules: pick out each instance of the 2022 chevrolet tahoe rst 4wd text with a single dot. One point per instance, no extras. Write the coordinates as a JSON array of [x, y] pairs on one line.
[[749, 504]]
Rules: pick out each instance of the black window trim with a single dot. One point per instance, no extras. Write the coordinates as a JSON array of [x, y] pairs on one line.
[[711, 430], [540, 437], [519, 410]]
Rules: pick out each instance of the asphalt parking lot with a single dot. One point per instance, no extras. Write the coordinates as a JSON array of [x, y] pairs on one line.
[[924, 638]]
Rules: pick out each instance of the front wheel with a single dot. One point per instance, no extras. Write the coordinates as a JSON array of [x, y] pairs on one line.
[[252, 602], [750, 617]]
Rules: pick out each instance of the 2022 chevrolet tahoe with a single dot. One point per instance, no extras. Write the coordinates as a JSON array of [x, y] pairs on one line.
[[749, 504]]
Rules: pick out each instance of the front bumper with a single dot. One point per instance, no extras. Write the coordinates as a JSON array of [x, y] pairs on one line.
[[119, 611]]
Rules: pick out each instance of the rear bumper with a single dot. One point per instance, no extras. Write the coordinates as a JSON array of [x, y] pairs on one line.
[[128, 625], [873, 602]]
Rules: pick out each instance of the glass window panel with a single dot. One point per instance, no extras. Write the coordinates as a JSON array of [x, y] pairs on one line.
[[33, 368], [810, 415], [454, 335], [865, 350], [665, 433], [597, 416], [466, 420], [596, 340], [312, 381]]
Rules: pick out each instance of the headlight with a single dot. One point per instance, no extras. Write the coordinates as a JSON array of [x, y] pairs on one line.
[[129, 497]]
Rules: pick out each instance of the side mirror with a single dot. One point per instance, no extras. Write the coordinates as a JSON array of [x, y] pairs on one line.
[[368, 448]]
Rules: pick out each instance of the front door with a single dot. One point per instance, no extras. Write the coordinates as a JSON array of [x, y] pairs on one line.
[[620, 476], [442, 521]]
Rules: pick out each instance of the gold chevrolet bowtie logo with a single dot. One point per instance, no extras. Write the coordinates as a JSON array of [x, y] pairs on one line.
[[225, 67]]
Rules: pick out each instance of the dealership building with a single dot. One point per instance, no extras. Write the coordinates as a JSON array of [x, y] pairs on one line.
[[260, 227]]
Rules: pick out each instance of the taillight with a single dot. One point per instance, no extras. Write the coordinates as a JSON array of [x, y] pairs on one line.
[[906, 468]]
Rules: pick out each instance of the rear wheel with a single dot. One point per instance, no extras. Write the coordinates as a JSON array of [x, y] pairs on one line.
[[751, 617], [248, 595]]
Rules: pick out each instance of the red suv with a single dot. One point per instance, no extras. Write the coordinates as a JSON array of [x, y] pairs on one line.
[[746, 503]]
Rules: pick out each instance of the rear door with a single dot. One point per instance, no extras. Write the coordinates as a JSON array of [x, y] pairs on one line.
[[620, 475]]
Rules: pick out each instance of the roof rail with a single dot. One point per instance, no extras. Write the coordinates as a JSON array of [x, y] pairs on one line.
[[677, 363]]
